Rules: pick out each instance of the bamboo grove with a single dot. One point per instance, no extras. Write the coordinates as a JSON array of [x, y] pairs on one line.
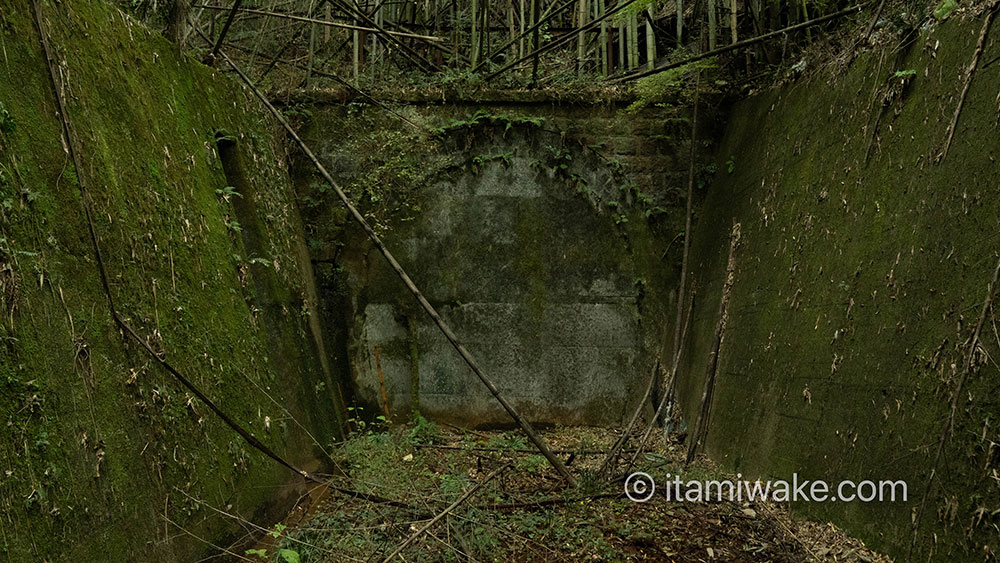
[[304, 43]]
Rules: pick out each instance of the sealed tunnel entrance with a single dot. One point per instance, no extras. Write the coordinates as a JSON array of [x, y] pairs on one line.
[[542, 253]]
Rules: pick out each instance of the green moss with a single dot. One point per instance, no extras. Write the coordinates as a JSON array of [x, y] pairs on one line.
[[143, 121], [860, 272]]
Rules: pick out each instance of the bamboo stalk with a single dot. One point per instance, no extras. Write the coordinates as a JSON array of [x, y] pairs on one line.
[[355, 52], [605, 44], [633, 41], [484, 35], [520, 46], [680, 22], [511, 27], [562, 41], [474, 34], [712, 24], [534, 44], [225, 27], [328, 16], [546, 16], [312, 48], [412, 55], [622, 47], [741, 44], [581, 40], [732, 14], [651, 39]]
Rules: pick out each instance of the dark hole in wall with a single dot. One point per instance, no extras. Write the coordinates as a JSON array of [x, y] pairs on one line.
[[244, 204]]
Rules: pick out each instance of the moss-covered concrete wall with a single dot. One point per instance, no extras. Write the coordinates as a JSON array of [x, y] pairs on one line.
[[103, 456], [862, 269], [542, 232]]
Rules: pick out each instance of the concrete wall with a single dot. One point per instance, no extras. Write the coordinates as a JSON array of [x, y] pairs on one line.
[[104, 456], [542, 241], [862, 269]]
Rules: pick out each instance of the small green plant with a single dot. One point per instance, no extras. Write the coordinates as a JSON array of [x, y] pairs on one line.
[[297, 110], [731, 164], [424, 431], [7, 124], [663, 85], [228, 192], [590, 482], [944, 9], [481, 160], [503, 442], [286, 555], [532, 464], [234, 226], [483, 117]]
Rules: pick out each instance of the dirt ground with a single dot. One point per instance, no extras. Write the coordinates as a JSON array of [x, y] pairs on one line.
[[392, 482]]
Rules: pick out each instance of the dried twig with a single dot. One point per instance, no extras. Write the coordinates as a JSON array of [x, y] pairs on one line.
[[420, 531]]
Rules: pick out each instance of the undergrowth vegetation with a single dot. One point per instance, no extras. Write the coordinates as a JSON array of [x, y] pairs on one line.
[[525, 513]]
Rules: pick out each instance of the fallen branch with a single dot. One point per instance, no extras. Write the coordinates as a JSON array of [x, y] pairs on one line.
[[420, 531], [664, 399], [525, 426], [549, 502], [704, 411], [967, 81], [509, 450], [668, 391], [620, 443]]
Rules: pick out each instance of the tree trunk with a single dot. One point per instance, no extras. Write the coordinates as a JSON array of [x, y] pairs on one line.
[[520, 46], [474, 37], [651, 39], [177, 23], [680, 22], [712, 24], [581, 40], [605, 44], [732, 21]]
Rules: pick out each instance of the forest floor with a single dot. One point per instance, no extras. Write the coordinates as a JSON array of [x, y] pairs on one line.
[[526, 513]]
